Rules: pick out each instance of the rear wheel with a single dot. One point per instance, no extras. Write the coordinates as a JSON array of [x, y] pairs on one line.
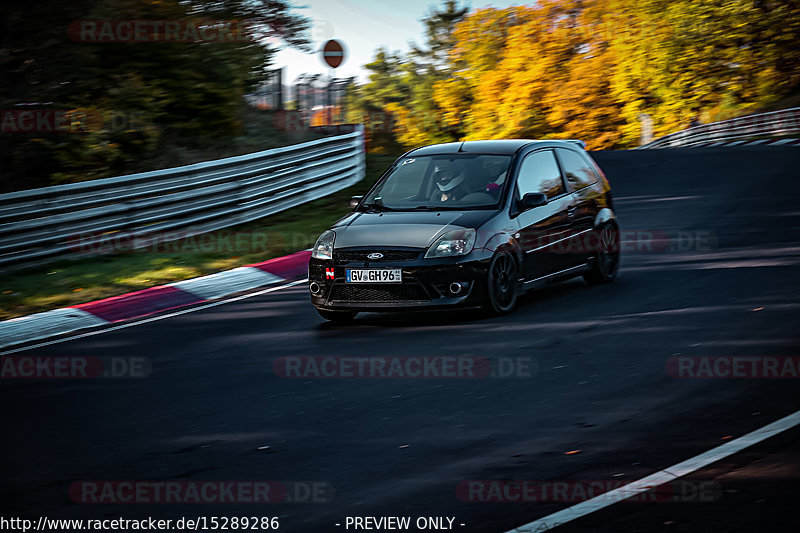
[[337, 316], [606, 259], [501, 284]]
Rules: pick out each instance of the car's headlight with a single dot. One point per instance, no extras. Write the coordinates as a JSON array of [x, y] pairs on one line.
[[323, 248], [452, 243]]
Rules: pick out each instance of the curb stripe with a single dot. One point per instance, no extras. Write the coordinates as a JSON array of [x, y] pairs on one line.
[[228, 282], [139, 303], [287, 267], [659, 478], [46, 324], [152, 300], [149, 319]]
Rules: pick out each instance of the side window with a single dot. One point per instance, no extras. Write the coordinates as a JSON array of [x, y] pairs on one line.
[[578, 172], [539, 173]]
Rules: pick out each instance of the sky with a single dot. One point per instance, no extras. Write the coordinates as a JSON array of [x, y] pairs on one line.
[[363, 26]]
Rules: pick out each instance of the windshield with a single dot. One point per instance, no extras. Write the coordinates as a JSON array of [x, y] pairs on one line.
[[454, 181]]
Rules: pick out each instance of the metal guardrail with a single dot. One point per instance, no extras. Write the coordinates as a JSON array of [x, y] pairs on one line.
[[783, 122], [41, 225]]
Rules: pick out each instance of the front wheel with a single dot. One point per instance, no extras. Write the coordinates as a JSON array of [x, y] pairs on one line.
[[337, 316], [501, 284], [606, 259]]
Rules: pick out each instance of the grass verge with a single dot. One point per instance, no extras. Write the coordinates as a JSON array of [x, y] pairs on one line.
[[77, 281]]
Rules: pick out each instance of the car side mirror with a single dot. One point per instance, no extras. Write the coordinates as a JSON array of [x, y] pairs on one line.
[[533, 199], [354, 200]]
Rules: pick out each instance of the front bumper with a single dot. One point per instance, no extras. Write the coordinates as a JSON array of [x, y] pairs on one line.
[[425, 282]]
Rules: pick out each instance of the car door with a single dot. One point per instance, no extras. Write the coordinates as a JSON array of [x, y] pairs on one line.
[[583, 205], [542, 229]]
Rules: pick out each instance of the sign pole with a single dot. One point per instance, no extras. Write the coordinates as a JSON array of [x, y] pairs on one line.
[[333, 55]]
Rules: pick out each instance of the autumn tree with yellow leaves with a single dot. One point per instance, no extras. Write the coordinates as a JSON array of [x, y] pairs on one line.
[[590, 69]]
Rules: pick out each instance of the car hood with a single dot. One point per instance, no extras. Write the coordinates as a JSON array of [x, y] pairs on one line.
[[411, 229]]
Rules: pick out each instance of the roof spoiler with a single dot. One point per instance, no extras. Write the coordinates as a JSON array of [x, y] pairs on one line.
[[578, 142]]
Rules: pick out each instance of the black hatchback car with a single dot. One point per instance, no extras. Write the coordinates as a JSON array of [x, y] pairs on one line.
[[471, 223]]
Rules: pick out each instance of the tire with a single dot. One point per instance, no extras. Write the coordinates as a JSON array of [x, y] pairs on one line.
[[339, 317], [501, 289], [606, 259]]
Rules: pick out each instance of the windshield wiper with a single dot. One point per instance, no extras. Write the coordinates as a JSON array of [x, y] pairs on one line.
[[377, 207], [438, 208]]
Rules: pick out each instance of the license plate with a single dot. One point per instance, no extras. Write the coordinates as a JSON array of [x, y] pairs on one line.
[[382, 275]]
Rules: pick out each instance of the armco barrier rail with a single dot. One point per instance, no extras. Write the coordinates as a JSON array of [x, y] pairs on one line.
[[783, 122], [41, 225]]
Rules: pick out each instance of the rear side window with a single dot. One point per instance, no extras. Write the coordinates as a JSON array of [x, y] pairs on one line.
[[539, 173], [578, 171]]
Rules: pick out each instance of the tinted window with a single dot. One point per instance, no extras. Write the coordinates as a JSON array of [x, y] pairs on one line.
[[578, 171], [448, 181], [539, 173], [406, 180]]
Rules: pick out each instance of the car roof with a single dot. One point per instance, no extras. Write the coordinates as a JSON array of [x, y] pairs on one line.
[[498, 146]]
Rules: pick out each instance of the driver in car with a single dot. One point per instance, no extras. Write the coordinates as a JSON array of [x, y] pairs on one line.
[[450, 186]]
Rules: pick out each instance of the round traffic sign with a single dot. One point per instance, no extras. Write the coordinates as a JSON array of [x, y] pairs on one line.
[[333, 53]]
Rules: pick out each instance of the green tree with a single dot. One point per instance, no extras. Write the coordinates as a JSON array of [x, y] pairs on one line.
[[162, 95], [401, 89]]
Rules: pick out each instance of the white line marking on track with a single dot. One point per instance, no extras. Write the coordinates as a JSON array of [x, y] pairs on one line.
[[154, 318], [668, 474]]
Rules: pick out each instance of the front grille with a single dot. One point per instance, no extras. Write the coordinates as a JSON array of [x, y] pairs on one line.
[[346, 292], [388, 255]]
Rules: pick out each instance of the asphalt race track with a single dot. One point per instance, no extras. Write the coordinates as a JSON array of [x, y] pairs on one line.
[[710, 267]]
